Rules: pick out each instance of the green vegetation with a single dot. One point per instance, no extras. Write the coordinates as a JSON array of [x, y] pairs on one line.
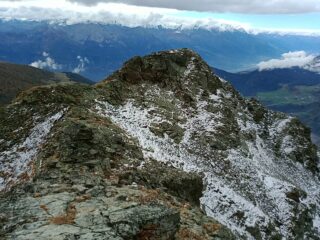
[[15, 78], [297, 95], [299, 101]]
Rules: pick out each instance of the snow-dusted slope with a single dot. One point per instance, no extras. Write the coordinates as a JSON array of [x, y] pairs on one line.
[[16, 163], [259, 167]]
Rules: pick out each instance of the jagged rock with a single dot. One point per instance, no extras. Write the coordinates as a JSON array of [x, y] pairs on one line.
[[153, 221], [187, 186], [137, 155]]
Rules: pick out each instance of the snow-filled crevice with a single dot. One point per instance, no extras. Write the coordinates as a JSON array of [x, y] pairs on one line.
[[16, 163]]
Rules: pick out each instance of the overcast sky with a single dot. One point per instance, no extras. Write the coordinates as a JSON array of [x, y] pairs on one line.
[[235, 6], [284, 15]]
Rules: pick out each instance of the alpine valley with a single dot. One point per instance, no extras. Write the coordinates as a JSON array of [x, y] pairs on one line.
[[161, 149], [295, 91]]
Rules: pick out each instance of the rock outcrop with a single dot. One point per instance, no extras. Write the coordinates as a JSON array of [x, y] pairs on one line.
[[162, 149]]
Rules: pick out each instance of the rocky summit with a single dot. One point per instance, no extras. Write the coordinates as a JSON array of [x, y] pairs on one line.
[[161, 149]]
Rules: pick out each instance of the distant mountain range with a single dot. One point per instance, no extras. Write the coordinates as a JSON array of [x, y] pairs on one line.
[[15, 78], [292, 90], [97, 50]]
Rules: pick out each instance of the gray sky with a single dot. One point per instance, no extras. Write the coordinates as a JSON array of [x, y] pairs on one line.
[[236, 6], [230, 6]]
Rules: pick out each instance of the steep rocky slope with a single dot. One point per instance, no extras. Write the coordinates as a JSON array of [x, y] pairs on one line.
[[15, 78], [162, 149], [295, 91]]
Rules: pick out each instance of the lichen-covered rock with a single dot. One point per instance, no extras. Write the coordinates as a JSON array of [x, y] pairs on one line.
[[162, 149], [187, 186], [76, 187], [154, 221]]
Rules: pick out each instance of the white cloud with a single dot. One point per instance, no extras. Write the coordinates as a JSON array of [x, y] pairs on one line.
[[288, 60], [108, 13], [45, 54], [82, 65], [46, 63], [243, 6]]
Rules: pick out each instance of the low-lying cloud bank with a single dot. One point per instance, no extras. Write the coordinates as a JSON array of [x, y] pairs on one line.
[[49, 63], [299, 59], [68, 12], [83, 61], [64, 12], [46, 63]]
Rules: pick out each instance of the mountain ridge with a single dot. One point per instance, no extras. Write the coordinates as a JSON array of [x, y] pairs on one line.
[[108, 46], [15, 78], [166, 125]]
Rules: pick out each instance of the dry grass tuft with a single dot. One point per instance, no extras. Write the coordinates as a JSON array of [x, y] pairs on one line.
[[114, 179], [67, 218], [24, 177], [148, 232], [37, 195], [44, 208], [186, 234], [211, 228], [82, 198], [149, 195]]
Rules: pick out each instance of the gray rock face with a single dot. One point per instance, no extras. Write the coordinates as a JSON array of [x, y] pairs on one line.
[[91, 219], [136, 156], [86, 180]]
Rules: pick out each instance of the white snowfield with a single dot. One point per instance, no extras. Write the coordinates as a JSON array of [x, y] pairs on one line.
[[246, 186], [16, 163]]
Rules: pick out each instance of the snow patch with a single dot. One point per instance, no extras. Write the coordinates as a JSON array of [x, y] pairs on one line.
[[16, 163], [190, 67]]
